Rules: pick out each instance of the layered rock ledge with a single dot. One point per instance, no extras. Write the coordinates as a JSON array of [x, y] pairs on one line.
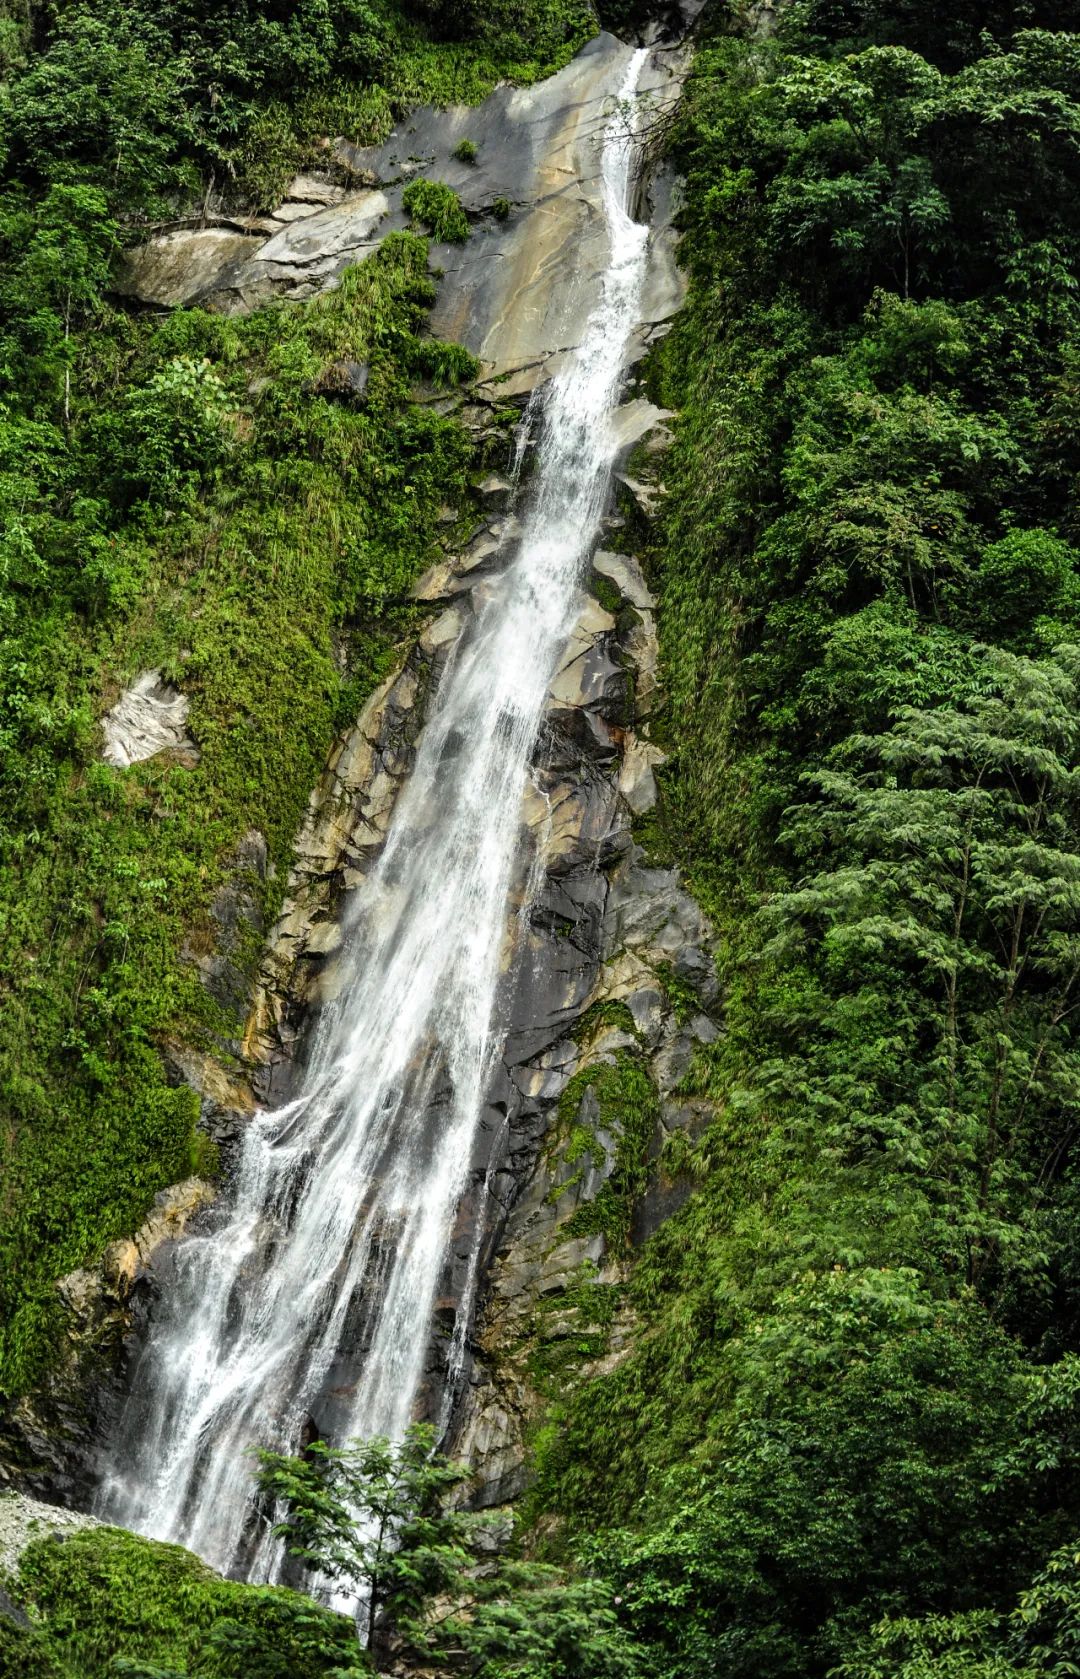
[[532, 196]]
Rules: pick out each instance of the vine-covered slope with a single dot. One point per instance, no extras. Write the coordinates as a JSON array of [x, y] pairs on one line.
[[848, 1435]]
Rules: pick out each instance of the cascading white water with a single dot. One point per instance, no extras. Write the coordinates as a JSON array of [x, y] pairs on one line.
[[345, 1198]]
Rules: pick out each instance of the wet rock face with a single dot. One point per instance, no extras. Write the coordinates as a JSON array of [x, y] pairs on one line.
[[348, 815], [616, 1004], [609, 1006], [532, 194], [52, 1435]]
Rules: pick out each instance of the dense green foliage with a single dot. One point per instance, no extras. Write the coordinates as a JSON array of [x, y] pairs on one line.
[[624, 1101], [153, 104], [196, 495], [371, 1516], [377, 1518], [850, 1430], [437, 208], [104, 1603]]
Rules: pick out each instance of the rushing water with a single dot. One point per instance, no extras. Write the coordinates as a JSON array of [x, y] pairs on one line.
[[344, 1200]]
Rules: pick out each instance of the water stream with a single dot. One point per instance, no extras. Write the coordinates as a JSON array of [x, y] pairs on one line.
[[337, 1230]]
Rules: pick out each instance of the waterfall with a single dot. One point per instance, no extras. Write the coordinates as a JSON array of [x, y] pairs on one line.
[[344, 1199]]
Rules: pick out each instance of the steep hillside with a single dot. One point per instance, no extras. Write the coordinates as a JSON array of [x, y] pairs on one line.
[[799, 1394], [855, 1399]]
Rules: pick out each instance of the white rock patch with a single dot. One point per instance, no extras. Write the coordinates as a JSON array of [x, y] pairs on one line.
[[24, 1519], [149, 718]]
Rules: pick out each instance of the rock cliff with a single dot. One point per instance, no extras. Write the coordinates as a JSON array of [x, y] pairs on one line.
[[528, 185], [613, 992]]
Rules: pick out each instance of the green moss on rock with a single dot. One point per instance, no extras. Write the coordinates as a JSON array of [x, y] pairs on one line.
[[626, 1104], [106, 1594]]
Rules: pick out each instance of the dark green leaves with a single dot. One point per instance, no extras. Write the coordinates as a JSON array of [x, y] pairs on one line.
[[373, 1516]]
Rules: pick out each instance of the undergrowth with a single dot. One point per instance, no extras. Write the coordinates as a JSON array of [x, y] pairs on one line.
[[104, 1591], [437, 208]]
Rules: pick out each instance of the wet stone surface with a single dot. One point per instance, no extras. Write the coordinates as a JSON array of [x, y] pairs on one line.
[[532, 195]]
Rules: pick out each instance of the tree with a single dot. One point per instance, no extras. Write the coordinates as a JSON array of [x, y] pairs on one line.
[[844, 1474], [946, 912], [859, 189], [1040, 1639], [372, 1516], [54, 286], [526, 1621], [106, 104]]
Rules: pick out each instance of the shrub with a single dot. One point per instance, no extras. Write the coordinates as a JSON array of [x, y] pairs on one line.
[[437, 207], [105, 1602]]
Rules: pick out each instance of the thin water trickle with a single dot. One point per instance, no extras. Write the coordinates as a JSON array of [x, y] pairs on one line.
[[337, 1231]]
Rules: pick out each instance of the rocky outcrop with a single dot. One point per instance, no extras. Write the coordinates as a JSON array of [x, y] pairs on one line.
[[530, 190], [762, 16], [184, 261], [612, 1025], [23, 1519], [53, 1432], [174, 268], [346, 822], [148, 718]]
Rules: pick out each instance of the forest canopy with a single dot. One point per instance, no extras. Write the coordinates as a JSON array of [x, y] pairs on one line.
[[847, 1436]]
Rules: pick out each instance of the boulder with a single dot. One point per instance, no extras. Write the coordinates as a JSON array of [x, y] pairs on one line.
[[303, 257], [316, 191], [625, 572], [637, 783], [174, 268], [636, 420]]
